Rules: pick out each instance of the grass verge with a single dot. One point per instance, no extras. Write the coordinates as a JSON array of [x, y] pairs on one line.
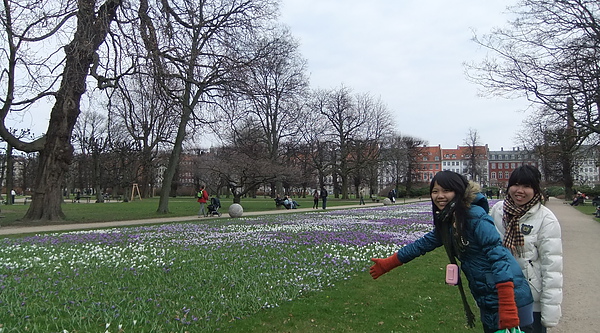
[[279, 273], [411, 298], [146, 209]]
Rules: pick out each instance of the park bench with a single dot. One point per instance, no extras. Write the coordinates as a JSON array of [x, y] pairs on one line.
[[27, 199], [374, 198]]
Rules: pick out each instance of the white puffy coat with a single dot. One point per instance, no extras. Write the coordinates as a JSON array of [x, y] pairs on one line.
[[541, 260]]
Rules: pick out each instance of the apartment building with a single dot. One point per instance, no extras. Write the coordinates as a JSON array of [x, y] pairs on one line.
[[503, 162], [467, 160], [429, 162], [586, 170]]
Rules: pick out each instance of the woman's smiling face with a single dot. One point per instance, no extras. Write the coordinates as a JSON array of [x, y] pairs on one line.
[[521, 194], [441, 196]]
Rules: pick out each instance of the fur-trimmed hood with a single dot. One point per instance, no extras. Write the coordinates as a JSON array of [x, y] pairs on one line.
[[473, 196]]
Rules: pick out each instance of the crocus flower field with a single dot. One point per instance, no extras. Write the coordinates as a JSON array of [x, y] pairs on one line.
[[190, 276]]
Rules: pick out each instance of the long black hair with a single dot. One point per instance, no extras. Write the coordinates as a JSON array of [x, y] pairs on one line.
[[526, 175], [456, 211], [453, 214]]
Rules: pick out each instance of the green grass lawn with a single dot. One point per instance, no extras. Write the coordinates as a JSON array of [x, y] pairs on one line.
[[587, 209], [271, 273], [145, 209], [411, 298]]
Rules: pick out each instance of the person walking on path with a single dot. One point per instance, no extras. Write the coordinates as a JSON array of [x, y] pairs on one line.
[[324, 197], [532, 233], [581, 303], [361, 193], [202, 196], [316, 199], [462, 225]]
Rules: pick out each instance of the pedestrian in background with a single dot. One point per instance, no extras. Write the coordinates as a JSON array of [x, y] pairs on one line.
[[202, 196], [324, 197], [315, 199]]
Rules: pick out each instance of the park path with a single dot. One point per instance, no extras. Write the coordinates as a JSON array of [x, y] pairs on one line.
[[581, 269]]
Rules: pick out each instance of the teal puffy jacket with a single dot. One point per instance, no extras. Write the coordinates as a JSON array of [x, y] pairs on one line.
[[485, 262]]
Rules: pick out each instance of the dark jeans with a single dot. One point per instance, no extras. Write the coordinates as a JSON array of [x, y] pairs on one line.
[[537, 323], [316, 203], [324, 203]]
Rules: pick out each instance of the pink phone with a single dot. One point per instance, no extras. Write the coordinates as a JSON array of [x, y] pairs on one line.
[[452, 274]]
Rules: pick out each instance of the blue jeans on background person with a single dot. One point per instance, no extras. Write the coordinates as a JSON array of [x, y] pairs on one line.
[[202, 211]]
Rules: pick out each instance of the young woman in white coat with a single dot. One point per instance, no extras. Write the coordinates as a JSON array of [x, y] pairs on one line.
[[532, 233]]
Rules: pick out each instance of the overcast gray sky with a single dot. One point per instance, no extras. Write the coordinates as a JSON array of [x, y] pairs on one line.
[[410, 53]]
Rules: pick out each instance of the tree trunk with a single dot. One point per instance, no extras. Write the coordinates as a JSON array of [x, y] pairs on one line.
[[171, 171], [237, 198], [10, 171], [56, 155], [54, 162]]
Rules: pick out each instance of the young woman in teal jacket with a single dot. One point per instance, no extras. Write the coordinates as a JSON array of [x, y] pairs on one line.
[[462, 225]]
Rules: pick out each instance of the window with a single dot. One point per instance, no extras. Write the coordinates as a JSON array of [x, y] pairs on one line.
[[506, 166], [493, 175], [506, 175], [513, 166], [500, 175], [493, 165]]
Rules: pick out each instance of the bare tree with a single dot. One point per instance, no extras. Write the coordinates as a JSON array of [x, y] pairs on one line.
[[550, 52], [244, 164], [556, 144], [195, 48], [29, 75], [316, 147], [140, 108], [275, 87], [90, 137], [272, 94], [476, 157], [350, 118], [400, 159]]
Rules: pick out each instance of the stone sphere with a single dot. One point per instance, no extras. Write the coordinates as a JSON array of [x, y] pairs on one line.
[[387, 201], [236, 210]]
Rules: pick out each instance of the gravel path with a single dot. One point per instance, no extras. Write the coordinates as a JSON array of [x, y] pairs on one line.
[[581, 248]]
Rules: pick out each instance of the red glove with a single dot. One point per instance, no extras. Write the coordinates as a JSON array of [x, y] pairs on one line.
[[383, 266], [508, 315]]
